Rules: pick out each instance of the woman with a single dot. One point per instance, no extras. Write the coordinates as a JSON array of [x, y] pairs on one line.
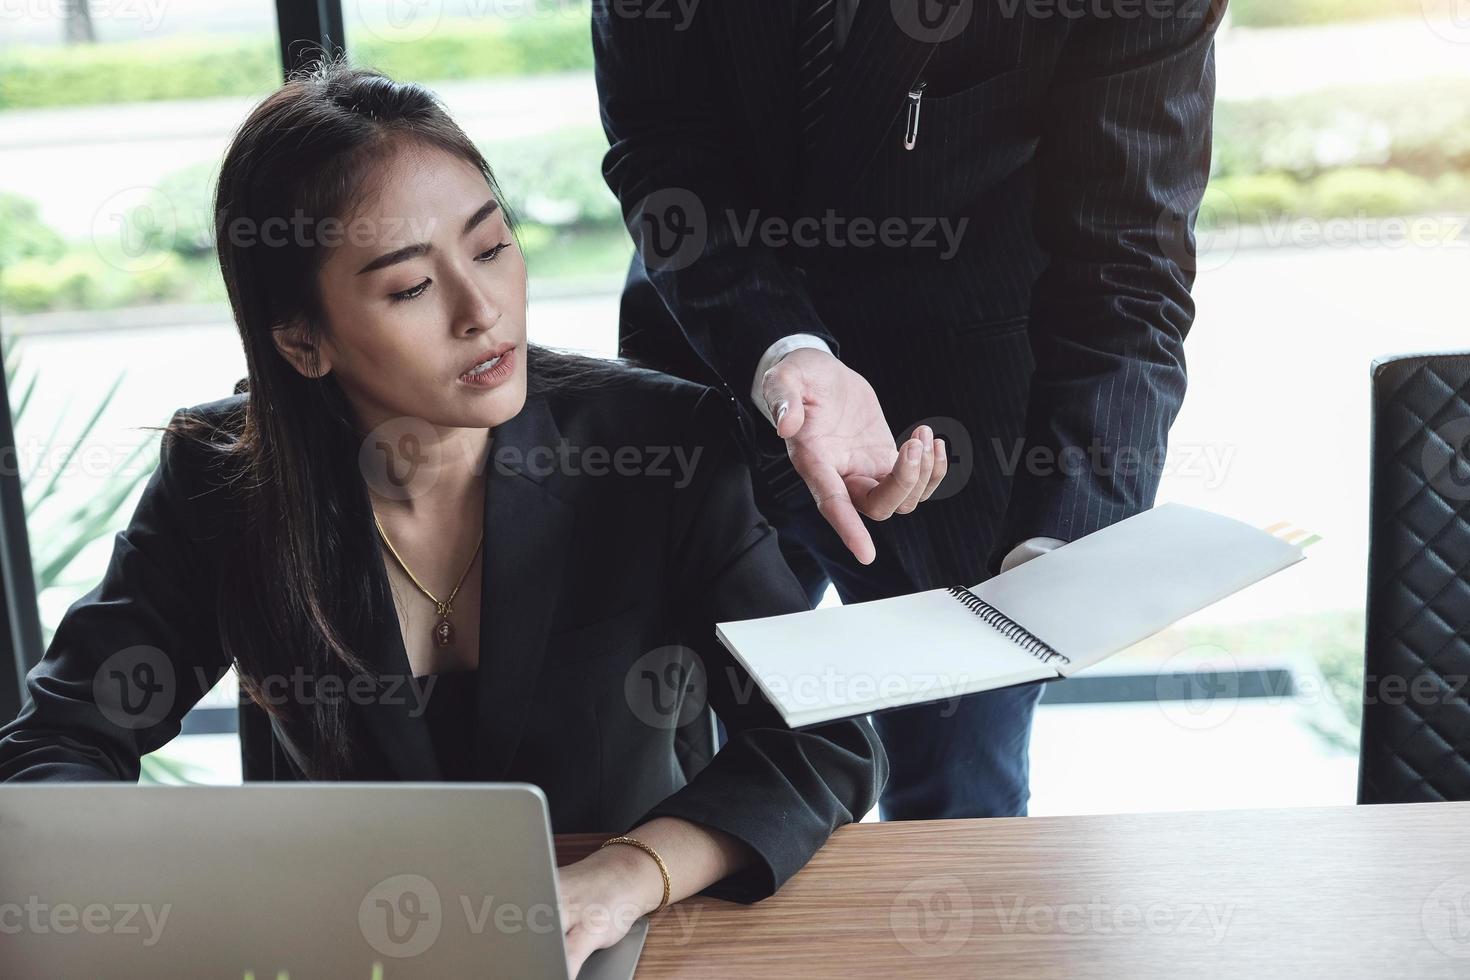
[[433, 551]]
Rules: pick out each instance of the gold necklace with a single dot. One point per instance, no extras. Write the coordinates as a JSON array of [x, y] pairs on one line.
[[443, 630]]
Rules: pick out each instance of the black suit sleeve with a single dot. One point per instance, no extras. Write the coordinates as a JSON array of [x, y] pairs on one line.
[[782, 792], [129, 658], [1122, 163], [672, 167]]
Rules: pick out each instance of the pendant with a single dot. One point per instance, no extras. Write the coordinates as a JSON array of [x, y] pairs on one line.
[[444, 629]]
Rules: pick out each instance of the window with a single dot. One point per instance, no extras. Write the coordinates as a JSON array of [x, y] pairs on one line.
[[1334, 230]]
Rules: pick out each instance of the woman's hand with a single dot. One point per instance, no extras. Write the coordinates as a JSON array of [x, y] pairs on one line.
[[602, 896]]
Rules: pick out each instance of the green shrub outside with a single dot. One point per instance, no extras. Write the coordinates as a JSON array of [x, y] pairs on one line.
[[73, 281], [1372, 193], [1250, 199], [1422, 127], [1283, 13], [1350, 192], [556, 180], [128, 71], [207, 66], [25, 236], [183, 206], [82, 279]]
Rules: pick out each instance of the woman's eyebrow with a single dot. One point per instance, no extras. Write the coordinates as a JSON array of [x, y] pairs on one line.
[[423, 248]]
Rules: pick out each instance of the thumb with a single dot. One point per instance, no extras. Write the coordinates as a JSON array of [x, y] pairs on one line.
[[784, 400]]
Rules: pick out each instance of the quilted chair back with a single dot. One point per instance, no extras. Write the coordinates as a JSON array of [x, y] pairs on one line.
[[1416, 706]]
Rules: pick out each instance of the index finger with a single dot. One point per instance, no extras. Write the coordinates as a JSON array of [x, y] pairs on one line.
[[835, 506]]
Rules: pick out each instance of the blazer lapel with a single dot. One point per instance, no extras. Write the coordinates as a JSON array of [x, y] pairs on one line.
[[527, 530], [527, 536], [394, 717], [878, 65]]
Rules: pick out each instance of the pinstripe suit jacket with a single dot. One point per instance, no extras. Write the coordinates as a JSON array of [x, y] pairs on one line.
[[1032, 290]]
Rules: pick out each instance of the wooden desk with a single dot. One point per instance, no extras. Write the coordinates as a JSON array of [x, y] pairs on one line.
[[1331, 892]]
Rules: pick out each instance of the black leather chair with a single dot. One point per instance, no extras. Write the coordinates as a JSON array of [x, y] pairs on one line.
[[1416, 706]]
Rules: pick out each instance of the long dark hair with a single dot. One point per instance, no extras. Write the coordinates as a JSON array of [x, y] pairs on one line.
[[296, 595]]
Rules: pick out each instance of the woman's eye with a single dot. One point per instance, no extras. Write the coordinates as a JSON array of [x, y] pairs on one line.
[[409, 293], [489, 254], [486, 256]]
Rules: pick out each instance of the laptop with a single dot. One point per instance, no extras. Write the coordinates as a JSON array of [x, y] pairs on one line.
[[284, 881]]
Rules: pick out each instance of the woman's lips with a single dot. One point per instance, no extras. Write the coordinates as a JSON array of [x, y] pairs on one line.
[[494, 376], [494, 351]]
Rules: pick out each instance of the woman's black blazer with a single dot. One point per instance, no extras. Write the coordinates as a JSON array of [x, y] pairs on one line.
[[619, 528]]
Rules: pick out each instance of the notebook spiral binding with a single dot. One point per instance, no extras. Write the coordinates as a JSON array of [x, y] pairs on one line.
[[1007, 626]]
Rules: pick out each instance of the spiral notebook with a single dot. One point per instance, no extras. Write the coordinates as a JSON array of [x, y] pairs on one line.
[[1051, 617]]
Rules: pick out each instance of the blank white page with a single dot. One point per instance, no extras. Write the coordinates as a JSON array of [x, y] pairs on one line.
[[849, 660], [1094, 596]]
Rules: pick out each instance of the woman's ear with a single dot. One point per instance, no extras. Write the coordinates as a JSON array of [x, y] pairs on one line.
[[293, 340]]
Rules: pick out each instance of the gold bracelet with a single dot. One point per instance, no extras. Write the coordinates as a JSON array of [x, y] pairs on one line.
[[662, 868]]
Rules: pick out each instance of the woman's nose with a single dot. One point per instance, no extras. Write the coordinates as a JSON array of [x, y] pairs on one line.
[[475, 309]]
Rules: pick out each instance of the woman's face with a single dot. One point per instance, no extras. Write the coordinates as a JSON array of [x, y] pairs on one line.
[[423, 283]]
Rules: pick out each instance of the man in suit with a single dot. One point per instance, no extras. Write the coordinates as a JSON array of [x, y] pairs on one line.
[[860, 217]]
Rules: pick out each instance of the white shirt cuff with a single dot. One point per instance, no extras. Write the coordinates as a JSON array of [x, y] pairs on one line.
[[773, 354], [1027, 550]]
